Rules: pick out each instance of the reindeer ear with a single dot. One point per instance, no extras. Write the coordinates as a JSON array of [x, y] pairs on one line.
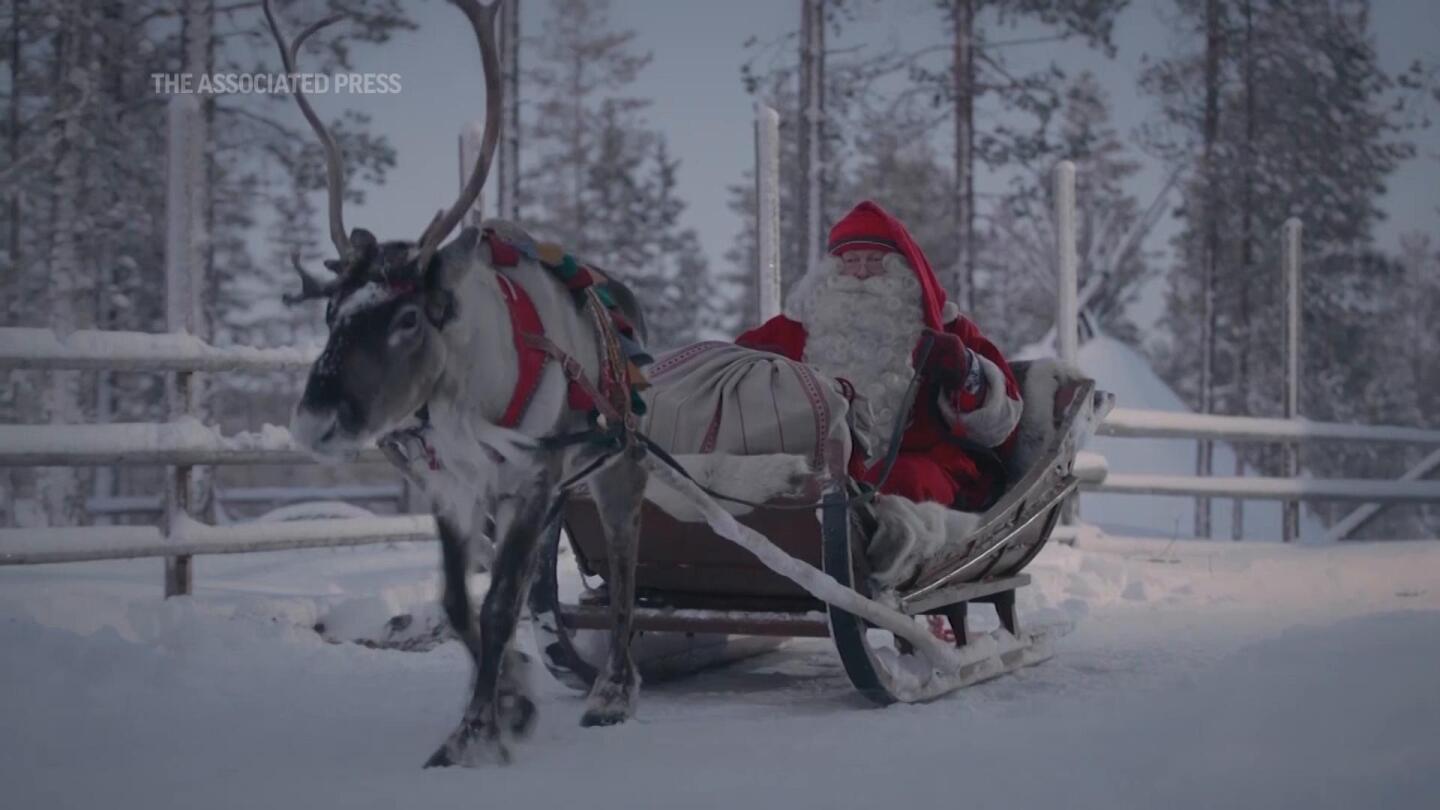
[[450, 260], [465, 242], [437, 278], [363, 245]]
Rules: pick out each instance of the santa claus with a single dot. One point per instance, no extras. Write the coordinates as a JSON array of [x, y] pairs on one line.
[[862, 316]]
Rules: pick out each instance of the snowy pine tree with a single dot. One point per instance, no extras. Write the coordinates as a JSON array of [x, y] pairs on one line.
[[1308, 134], [600, 181], [84, 195]]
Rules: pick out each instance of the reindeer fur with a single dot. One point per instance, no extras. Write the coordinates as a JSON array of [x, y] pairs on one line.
[[413, 328], [505, 473], [480, 372]]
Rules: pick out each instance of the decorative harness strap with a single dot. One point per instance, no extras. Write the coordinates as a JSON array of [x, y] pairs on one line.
[[524, 324], [616, 400], [614, 404]]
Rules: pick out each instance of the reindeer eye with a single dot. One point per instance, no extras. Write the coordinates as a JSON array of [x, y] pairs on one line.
[[407, 320]]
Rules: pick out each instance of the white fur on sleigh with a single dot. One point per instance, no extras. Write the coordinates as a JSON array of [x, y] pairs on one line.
[[751, 478]]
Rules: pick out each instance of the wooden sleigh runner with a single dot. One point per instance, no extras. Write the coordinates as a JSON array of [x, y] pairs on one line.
[[701, 600]]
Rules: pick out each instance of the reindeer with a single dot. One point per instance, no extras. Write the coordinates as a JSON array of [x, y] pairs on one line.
[[415, 327]]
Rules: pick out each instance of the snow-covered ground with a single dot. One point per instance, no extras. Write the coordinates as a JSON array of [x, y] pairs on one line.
[[1198, 675]]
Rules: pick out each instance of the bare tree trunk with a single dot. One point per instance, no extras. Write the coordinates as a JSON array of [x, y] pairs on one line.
[[507, 167], [1210, 253], [1247, 258], [963, 192], [12, 276], [13, 122], [802, 177], [819, 216], [70, 302], [189, 304], [811, 177], [113, 51]]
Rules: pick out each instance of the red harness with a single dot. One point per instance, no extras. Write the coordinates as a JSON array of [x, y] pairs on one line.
[[533, 350], [524, 320], [613, 400]]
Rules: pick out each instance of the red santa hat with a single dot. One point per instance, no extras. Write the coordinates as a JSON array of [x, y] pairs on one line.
[[870, 227]]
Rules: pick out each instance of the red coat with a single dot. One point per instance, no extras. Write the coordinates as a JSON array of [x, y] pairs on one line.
[[935, 463]]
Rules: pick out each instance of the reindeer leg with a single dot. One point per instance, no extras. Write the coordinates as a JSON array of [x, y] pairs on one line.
[[455, 563], [515, 708], [515, 561], [619, 491]]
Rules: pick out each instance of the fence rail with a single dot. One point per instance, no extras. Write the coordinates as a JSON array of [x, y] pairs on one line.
[[1136, 423], [188, 442], [94, 350], [239, 496], [90, 543], [149, 444], [1272, 489]]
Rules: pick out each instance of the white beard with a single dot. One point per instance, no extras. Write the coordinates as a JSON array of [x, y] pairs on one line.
[[864, 330]]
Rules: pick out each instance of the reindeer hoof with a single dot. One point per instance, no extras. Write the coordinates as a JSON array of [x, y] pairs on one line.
[[472, 744], [594, 718], [609, 704], [439, 759]]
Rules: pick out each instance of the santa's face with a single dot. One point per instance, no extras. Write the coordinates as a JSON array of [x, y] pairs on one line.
[[863, 264]]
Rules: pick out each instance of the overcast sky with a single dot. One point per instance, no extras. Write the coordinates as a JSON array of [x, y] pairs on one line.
[[701, 107]]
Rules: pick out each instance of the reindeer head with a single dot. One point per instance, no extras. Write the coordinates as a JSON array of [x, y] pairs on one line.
[[386, 302]]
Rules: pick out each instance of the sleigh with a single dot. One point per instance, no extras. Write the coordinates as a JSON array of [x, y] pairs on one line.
[[702, 601]]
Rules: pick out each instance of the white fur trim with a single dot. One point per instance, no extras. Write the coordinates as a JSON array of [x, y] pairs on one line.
[[911, 534], [1037, 420], [949, 312], [750, 478], [991, 423]]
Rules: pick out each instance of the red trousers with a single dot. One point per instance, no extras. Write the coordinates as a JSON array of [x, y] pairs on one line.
[[920, 478]]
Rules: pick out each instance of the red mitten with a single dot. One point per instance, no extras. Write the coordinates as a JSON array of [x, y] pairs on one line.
[[948, 362]]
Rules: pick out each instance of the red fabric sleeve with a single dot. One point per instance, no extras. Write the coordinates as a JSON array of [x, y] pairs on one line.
[[779, 335]]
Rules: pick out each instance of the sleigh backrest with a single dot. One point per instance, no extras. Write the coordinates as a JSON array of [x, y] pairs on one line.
[[1061, 408]]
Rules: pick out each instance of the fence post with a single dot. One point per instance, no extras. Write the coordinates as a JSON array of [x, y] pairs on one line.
[[767, 210], [1067, 290], [1290, 260], [1067, 315], [184, 259]]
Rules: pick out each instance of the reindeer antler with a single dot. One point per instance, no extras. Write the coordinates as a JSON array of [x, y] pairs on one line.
[[334, 167], [482, 19]]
